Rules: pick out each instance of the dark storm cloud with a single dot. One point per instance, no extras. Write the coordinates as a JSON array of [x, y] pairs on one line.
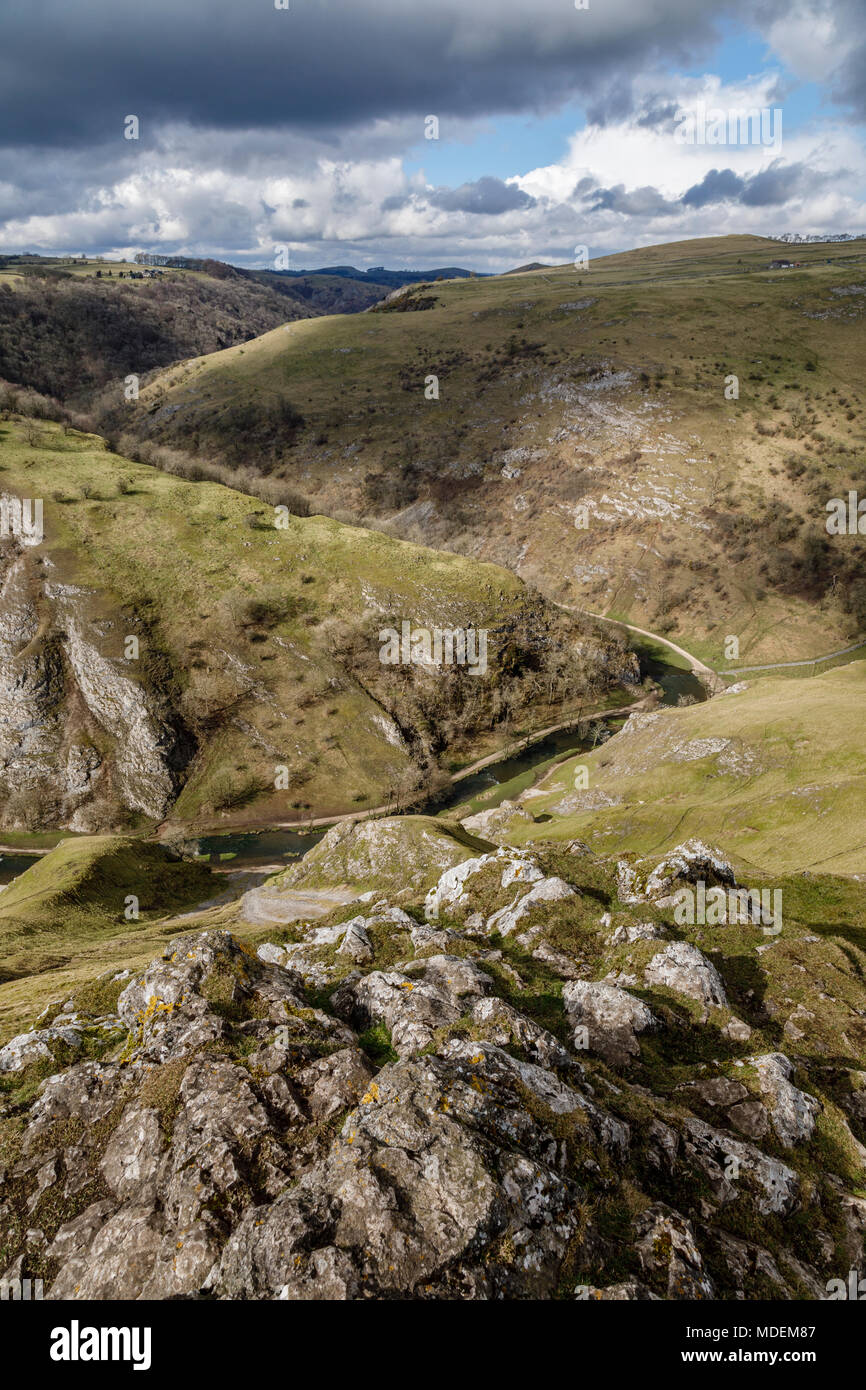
[[775, 185], [486, 195], [640, 202], [849, 84], [45, 180], [69, 74], [850, 88], [584, 187], [261, 125], [658, 114], [772, 187], [782, 182], [717, 186]]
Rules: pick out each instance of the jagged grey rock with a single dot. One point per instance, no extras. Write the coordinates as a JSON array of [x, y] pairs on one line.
[[356, 941], [242, 1139], [636, 931], [336, 1082], [450, 893], [793, 1113], [20, 1051], [607, 1019], [630, 1292], [547, 890], [502, 1024], [689, 863], [665, 1243], [496, 821], [427, 994], [684, 969], [727, 1161], [62, 694], [410, 1193]]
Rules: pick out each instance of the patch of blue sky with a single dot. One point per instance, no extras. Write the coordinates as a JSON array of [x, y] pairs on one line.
[[500, 147]]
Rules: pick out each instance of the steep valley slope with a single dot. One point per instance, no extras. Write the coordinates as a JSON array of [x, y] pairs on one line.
[[175, 649]]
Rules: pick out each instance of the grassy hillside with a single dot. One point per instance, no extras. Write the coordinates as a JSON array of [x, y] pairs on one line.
[[264, 642], [63, 922], [601, 387], [78, 894], [775, 773], [70, 327]]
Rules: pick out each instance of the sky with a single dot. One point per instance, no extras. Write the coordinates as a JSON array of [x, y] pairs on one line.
[[425, 133]]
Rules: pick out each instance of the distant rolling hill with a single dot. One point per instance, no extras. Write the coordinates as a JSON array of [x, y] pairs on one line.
[[582, 426], [378, 275]]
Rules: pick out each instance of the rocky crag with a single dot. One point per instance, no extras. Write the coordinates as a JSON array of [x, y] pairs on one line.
[[83, 738], [517, 1079]]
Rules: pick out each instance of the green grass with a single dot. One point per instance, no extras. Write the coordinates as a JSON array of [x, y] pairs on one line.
[[376, 1042], [786, 794], [81, 887], [25, 840], [64, 919]]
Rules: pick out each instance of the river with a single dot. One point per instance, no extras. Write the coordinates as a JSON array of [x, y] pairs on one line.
[[503, 779], [252, 849]]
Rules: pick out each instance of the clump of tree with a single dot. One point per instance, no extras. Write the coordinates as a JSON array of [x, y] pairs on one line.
[[263, 610], [797, 557], [541, 664], [68, 337], [273, 490]]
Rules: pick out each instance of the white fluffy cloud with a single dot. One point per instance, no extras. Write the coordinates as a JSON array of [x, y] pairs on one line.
[[808, 40]]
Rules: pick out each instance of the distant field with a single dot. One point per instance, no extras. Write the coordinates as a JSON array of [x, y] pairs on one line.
[[81, 269]]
